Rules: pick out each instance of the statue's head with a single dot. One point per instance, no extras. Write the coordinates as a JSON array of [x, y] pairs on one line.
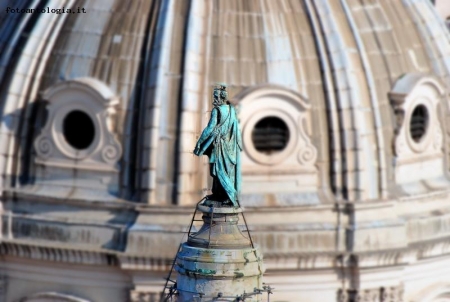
[[220, 95]]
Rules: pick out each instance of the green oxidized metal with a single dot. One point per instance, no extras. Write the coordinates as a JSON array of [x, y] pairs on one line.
[[218, 262], [221, 141]]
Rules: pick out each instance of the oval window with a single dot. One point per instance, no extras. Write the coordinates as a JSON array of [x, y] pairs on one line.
[[270, 135], [78, 129], [419, 122]]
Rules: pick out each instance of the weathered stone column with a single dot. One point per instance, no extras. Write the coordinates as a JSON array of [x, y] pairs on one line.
[[218, 260]]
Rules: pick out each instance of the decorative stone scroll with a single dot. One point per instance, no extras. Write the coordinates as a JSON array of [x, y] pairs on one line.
[[293, 110], [417, 101], [410, 92], [272, 115], [96, 102]]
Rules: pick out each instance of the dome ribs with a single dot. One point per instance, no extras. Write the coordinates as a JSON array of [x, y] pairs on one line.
[[131, 176], [424, 15], [278, 49], [335, 170], [37, 39], [356, 15], [355, 126], [162, 92], [188, 175]]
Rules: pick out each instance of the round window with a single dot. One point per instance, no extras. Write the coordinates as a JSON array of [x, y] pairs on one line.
[[270, 135], [78, 129], [419, 122]]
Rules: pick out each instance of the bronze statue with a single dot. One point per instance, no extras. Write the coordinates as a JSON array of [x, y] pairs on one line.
[[221, 141]]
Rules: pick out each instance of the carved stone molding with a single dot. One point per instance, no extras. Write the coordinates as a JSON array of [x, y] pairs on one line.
[[138, 296], [142, 263], [432, 249], [293, 110], [381, 294], [52, 296], [97, 102], [291, 165], [436, 292], [419, 141], [410, 91], [386, 258], [56, 254]]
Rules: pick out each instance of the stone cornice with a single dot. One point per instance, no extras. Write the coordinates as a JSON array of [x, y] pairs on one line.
[[426, 197], [383, 258], [276, 261], [56, 254], [432, 248], [77, 256], [144, 263], [25, 195]]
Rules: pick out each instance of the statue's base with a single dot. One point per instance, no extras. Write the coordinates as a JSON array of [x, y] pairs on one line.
[[210, 202], [220, 227], [219, 262]]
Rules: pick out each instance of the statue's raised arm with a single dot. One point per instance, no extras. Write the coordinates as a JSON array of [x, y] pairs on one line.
[[221, 141]]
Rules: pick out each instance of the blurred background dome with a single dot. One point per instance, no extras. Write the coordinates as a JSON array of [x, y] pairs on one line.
[[343, 106]]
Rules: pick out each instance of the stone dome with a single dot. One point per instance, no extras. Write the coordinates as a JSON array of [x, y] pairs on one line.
[[343, 107], [324, 69]]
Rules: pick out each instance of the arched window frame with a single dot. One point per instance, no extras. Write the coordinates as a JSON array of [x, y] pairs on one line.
[[94, 98], [410, 91]]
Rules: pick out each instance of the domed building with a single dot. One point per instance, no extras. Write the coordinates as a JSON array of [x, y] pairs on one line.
[[345, 118]]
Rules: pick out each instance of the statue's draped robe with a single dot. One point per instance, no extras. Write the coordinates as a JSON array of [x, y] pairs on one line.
[[221, 141]]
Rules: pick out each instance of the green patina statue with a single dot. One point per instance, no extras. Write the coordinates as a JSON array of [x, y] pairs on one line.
[[221, 141]]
